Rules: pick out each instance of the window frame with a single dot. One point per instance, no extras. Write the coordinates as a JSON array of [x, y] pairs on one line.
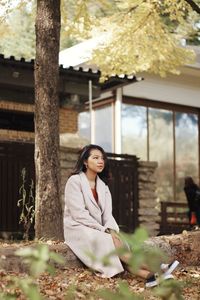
[[174, 108]]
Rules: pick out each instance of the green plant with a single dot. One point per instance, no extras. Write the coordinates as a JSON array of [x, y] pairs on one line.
[[26, 285], [123, 292], [141, 254], [27, 204], [39, 259], [170, 290]]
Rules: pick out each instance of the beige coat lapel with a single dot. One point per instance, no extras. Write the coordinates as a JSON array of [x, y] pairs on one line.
[[86, 189], [100, 186]]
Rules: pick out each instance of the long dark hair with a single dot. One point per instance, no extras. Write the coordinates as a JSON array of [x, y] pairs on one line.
[[84, 154]]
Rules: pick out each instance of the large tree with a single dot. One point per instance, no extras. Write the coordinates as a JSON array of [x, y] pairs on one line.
[[48, 222]]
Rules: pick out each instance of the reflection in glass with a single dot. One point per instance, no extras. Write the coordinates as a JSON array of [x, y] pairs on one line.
[[103, 127], [161, 142], [161, 150], [134, 130], [186, 132], [84, 125]]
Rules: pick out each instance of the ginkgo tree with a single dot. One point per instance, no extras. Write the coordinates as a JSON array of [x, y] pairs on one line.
[[140, 35], [151, 32], [19, 39], [148, 45]]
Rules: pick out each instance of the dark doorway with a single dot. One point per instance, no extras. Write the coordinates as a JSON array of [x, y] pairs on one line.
[[14, 157], [124, 189], [20, 121]]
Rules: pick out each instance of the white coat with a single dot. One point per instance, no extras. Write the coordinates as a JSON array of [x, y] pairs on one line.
[[85, 222]]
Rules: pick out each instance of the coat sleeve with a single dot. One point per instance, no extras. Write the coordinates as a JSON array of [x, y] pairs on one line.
[[107, 217], [74, 202]]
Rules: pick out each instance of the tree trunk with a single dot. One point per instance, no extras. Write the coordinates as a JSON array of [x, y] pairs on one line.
[[48, 219]]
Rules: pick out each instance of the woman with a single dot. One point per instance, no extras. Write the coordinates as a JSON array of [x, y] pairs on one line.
[[89, 226], [192, 192]]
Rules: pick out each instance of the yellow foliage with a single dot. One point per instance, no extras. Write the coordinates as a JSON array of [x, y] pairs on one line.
[[141, 39], [142, 35], [7, 6], [81, 16]]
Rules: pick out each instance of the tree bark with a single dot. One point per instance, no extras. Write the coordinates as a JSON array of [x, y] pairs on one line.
[[48, 219]]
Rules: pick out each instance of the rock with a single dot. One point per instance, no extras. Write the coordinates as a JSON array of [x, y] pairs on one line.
[[10, 262], [183, 247]]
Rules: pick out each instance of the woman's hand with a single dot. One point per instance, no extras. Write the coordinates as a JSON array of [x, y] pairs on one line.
[[111, 231]]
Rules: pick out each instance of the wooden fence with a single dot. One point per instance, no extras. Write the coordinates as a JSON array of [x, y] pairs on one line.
[[174, 217], [13, 158]]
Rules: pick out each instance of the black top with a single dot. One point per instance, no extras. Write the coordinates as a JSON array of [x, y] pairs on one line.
[[190, 193]]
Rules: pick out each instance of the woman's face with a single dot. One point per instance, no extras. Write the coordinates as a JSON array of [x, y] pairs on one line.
[[95, 161]]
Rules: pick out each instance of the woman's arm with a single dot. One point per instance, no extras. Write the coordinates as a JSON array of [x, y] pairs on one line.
[[107, 217], [74, 202]]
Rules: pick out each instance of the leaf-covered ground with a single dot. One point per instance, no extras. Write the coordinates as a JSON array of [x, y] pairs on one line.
[[81, 283]]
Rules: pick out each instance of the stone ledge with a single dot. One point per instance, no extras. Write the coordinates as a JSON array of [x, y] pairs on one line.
[[10, 262], [184, 247]]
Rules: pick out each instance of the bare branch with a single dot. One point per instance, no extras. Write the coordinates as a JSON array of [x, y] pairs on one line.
[[194, 6]]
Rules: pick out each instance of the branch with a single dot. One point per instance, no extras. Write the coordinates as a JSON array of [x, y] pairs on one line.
[[194, 6]]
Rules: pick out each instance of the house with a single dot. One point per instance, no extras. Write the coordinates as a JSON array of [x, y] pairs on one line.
[[17, 125], [156, 119]]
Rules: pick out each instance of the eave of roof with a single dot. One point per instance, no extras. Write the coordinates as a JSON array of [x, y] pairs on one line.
[[78, 74]]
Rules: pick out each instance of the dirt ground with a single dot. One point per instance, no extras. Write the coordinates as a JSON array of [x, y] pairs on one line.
[[85, 283]]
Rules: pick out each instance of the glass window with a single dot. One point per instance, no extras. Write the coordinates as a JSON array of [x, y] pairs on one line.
[[161, 150], [103, 127], [84, 125], [186, 133], [164, 130], [134, 130]]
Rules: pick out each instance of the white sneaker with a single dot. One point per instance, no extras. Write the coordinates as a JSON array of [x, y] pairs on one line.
[[151, 282], [166, 276], [169, 268]]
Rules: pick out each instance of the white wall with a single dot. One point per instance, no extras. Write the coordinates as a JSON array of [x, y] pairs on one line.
[[181, 89]]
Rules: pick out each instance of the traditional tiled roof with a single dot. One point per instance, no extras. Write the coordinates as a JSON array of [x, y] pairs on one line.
[[79, 74]]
